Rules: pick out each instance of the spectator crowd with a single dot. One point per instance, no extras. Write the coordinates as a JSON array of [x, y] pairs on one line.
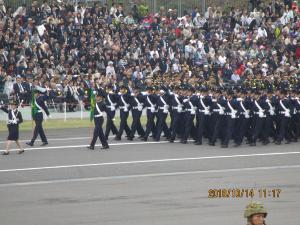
[[69, 48]]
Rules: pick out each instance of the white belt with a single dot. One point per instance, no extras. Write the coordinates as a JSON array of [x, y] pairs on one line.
[[98, 115]]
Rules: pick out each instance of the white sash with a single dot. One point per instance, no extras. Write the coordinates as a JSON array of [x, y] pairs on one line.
[[286, 111], [38, 106], [125, 104], [139, 105], [221, 110], [99, 111], [193, 111], [260, 110], [179, 105], [166, 106], [206, 109], [152, 107], [272, 112], [112, 105], [14, 118], [233, 112], [245, 110]]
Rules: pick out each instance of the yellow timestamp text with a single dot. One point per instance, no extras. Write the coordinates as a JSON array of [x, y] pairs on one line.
[[244, 193]]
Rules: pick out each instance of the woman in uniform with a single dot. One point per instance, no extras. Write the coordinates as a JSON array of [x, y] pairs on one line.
[[14, 119]]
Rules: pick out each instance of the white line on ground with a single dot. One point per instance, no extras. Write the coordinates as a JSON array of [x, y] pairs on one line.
[[146, 161], [148, 175], [57, 139], [83, 146]]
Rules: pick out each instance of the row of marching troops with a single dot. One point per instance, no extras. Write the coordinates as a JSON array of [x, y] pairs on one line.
[[235, 114]]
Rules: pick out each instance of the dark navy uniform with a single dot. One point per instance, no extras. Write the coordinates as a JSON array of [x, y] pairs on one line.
[[14, 119], [124, 106], [38, 118], [243, 124], [190, 105], [150, 104], [100, 108], [163, 110], [217, 118], [202, 117], [231, 115], [284, 111], [111, 105], [137, 105], [259, 108], [176, 109]]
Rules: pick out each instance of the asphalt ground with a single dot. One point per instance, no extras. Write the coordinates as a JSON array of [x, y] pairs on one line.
[[138, 183]]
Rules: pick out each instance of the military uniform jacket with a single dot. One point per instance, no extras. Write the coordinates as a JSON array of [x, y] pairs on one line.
[[124, 102], [191, 104], [163, 103], [176, 103], [100, 108], [284, 107], [40, 103], [151, 103], [14, 117], [137, 103], [111, 101]]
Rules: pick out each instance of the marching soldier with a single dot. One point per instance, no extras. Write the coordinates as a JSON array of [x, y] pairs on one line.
[[39, 107], [14, 119], [190, 111], [111, 104], [296, 115], [177, 110], [255, 213], [217, 116], [150, 104], [244, 119], [259, 117], [163, 110], [137, 105], [284, 111], [230, 117], [124, 106], [202, 115], [100, 108]]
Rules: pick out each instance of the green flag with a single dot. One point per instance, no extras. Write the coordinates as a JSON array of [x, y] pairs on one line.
[[34, 108], [93, 104]]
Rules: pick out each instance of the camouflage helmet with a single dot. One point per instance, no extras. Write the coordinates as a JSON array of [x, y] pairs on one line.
[[254, 208]]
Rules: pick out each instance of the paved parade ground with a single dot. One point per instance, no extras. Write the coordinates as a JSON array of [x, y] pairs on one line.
[[138, 183]]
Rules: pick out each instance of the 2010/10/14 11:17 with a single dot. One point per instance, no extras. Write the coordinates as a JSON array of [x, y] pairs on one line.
[[243, 193]]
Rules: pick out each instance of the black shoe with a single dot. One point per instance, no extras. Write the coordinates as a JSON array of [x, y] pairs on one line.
[[211, 144], [198, 143], [183, 142], [171, 141], [105, 147], [288, 142], [277, 142], [237, 145], [295, 140], [91, 147], [5, 153], [224, 146], [253, 144], [144, 139], [21, 152], [130, 138], [44, 143], [117, 138], [29, 143]]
